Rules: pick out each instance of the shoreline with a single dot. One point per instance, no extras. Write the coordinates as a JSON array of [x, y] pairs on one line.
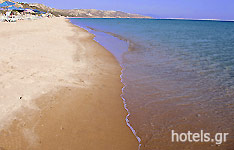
[[99, 121], [112, 50], [106, 18], [122, 68]]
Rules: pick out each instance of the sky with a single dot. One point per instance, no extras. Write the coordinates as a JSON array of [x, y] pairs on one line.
[[195, 9]]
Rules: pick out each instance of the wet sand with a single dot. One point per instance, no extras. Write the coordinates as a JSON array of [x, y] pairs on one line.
[[72, 102]]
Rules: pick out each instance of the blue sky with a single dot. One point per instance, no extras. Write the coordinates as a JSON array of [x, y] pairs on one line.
[[197, 9]]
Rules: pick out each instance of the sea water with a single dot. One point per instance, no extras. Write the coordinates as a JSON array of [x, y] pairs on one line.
[[178, 75]]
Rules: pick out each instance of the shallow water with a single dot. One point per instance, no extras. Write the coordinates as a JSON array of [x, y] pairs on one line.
[[179, 75]]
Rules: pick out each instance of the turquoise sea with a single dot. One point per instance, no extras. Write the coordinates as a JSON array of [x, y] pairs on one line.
[[178, 75]]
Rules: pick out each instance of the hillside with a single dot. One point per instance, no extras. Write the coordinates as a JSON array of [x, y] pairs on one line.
[[84, 13]]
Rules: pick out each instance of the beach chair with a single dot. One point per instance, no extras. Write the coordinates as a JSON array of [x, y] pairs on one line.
[[2, 19], [12, 19]]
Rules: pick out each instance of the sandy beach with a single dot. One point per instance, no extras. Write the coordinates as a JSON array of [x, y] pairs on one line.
[[59, 90]]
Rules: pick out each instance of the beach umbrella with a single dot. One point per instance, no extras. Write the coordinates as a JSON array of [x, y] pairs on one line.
[[20, 8], [3, 5], [7, 3], [36, 11], [13, 8]]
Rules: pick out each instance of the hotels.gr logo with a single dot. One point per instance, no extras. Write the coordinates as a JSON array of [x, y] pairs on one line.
[[219, 138]]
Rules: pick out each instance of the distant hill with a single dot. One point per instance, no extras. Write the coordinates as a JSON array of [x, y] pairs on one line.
[[84, 13]]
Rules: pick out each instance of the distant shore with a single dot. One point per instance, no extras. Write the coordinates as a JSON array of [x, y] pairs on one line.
[[59, 89], [108, 18]]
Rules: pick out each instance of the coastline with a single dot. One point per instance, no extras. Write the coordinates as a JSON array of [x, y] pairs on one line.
[[117, 51], [117, 48], [86, 115], [107, 18]]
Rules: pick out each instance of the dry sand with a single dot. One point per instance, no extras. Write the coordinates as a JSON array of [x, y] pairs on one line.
[[59, 90]]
